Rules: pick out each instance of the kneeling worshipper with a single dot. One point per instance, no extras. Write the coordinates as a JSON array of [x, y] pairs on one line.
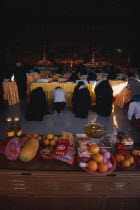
[[91, 77], [81, 100], [38, 106], [134, 113], [104, 98], [59, 100], [74, 77]]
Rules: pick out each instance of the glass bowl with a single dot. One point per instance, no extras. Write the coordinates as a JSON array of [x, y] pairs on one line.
[[94, 130]]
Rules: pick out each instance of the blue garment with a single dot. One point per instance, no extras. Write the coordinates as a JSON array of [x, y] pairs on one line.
[[135, 98]]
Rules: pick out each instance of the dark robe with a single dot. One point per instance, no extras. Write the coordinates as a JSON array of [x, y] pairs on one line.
[[37, 106], [21, 81], [104, 98], [74, 77], [91, 77], [81, 101]]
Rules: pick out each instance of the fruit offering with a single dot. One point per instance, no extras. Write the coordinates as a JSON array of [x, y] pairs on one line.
[[124, 161], [102, 161], [47, 152], [29, 150], [69, 156], [136, 152], [50, 140], [62, 147], [27, 137], [94, 130], [68, 136], [121, 148], [127, 141]]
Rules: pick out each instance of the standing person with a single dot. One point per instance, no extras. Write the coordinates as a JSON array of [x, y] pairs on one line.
[[59, 100], [81, 100], [21, 80], [104, 98], [134, 113], [134, 86]]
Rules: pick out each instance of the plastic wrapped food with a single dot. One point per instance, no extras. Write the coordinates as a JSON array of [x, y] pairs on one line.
[[12, 149], [47, 152], [69, 157], [62, 147]]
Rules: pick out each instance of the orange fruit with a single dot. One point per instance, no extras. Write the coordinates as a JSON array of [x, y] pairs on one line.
[[53, 142], [56, 138], [94, 149], [39, 138], [130, 158], [119, 158], [46, 142], [124, 140], [126, 163], [98, 158], [49, 136], [35, 135], [129, 139], [92, 165], [29, 135], [102, 167]]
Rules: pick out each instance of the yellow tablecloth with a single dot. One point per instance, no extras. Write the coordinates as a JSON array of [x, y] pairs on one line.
[[67, 87], [123, 97], [120, 92], [30, 79], [10, 92]]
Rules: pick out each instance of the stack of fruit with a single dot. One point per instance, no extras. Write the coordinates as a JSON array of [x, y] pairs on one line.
[[124, 161], [124, 139], [102, 161], [50, 140], [27, 137]]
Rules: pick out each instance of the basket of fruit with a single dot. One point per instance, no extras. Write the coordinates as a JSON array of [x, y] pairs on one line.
[[101, 162], [94, 130]]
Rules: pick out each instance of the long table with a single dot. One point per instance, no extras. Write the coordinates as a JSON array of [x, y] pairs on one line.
[[52, 184], [120, 92]]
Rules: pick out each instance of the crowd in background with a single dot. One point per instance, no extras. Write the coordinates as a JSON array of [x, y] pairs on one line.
[[81, 100]]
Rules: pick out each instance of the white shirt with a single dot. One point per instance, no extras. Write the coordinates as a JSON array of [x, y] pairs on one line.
[[59, 95], [134, 109]]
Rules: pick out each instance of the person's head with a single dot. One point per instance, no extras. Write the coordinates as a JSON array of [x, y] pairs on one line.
[[58, 88], [131, 76], [104, 83], [80, 83], [39, 89]]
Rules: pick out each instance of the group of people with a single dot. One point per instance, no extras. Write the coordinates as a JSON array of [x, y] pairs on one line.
[[81, 101]]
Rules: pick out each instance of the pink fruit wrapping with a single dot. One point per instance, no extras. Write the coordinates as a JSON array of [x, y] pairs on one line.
[[12, 149]]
